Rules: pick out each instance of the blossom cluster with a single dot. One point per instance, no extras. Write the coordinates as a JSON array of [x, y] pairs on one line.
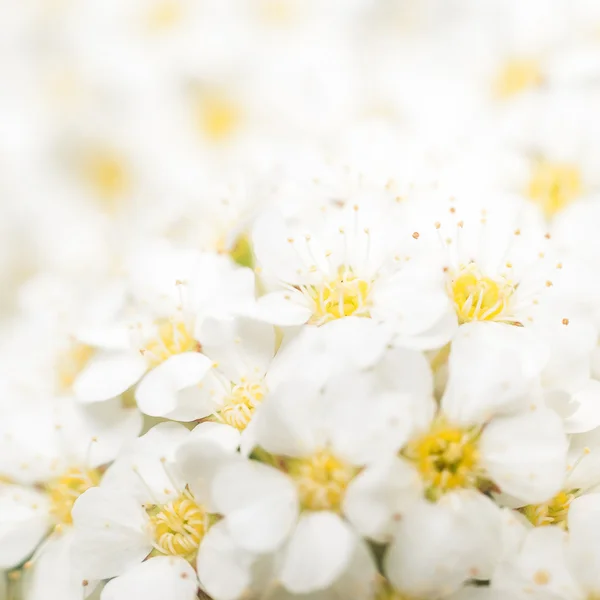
[[301, 299]]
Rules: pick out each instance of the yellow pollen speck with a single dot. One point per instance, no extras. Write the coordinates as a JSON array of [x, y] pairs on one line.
[[321, 480], [172, 337], [217, 116], [71, 362], [553, 186], [516, 76], [240, 404], [478, 298], [447, 458], [345, 296], [179, 526], [541, 577], [553, 512], [64, 490]]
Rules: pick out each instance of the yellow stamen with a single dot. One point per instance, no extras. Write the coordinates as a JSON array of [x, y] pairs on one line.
[[164, 15], [554, 185], [477, 297], [345, 296], [239, 406], [64, 490], [447, 458], [516, 76], [105, 172], [553, 512], [217, 116], [321, 480], [71, 362], [172, 338], [179, 526]]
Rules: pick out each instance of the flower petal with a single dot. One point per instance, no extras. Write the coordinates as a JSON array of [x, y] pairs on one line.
[[109, 374], [525, 454], [155, 579], [110, 533], [157, 393], [318, 552], [260, 504]]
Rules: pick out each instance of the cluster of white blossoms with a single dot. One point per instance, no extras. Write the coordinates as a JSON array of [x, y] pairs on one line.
[[300, 300]]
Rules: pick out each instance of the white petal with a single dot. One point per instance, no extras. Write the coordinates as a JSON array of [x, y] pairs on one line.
[[492, 370], [287, 419], [109, 374], [97, 433], [318, 552], [379, 495], [111, 533], [159, 578], [539, 568], [53, 569], [584, 539], [260, 504], [157, 393], [224, 436], [284, 308], [439, 546], [242, 347], [146, 469], [201, 457], [586, 409], [525, 455], [24, 520], [224, 569]]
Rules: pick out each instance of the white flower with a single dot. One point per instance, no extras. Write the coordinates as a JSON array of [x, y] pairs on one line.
[[162, 336], [144, 508], [555, 564], [329, 457], [53, 459], [348, 260]]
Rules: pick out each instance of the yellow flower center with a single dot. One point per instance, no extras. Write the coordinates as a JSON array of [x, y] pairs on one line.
[[554, 185], [64, 490], [179, 526], [164, 15], [447, 458], [172, 338], [516, 76], [105, 172], [478, 298], [217, 116], [71, 362], [321, 480], [239, 406], [553, 512], [344, 296]]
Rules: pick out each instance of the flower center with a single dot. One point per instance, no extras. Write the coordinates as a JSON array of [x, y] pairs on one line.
[[478, 298], [217, 116], [553, 512], [516, 76], [64, 490], [172, 337], [554, 185], [179, 526], [105, 172], [241, 251], [342, 297], [164, 15], [321, 480], [71, 362], [239, 406], [447, 458]]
